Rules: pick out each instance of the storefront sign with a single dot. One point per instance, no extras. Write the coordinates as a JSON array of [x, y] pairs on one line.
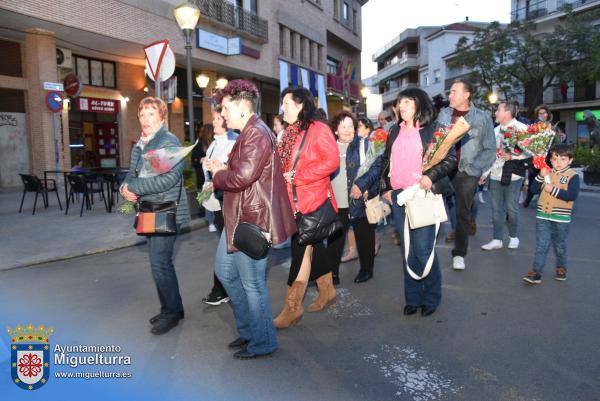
[[72, 85], [94, 105], [217, 43], [53, 86], [54, 101]]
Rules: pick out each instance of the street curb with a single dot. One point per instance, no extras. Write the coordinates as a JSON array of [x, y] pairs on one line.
[[194, 225]]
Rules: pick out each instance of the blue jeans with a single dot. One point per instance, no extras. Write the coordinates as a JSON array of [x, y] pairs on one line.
[[160, 249], [426, 292], [549, 233], [505, 199], [245, 281]]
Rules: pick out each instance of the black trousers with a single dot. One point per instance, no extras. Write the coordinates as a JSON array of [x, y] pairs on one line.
[[218, 288], [364, 232], [337, 241], [464, 191]]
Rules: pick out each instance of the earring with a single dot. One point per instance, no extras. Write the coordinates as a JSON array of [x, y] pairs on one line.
[[242, 115]]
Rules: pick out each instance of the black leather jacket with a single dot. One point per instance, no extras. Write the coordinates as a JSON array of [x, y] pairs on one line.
[[438, 174]]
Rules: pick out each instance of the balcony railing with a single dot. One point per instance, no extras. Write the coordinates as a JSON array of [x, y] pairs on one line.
[[336, 83], [531, 11], [560, 4], [235, 17], [410, 61]]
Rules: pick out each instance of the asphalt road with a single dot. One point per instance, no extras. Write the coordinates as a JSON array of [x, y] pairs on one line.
[[493, 338]]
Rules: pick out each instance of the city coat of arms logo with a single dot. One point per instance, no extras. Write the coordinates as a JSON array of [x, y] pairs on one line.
[[30, 356]]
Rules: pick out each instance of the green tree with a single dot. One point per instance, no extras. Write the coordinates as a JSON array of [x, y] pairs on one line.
[[510, 58]]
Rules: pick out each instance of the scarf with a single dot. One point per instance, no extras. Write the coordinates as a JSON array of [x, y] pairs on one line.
[[286, 145]]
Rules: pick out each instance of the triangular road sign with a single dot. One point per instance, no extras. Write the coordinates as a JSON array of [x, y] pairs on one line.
[[155, 53]]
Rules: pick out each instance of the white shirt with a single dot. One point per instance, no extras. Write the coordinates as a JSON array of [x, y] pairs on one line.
[[495, 171]]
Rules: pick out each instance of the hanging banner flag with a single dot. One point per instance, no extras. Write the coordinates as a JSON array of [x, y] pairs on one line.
[[313, 83], [304, 74], [322, 93], [294, 71]]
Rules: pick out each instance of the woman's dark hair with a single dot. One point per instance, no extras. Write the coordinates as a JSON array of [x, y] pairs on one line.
[[339, 117], [367, 123], [207, 134], [425, 113], [300, 95], [542, 107]]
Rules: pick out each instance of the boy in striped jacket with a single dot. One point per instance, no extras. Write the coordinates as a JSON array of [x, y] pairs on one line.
[[558, 190]]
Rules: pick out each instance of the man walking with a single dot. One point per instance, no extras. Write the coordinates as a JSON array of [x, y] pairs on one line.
[[506, 178], [475, 153]]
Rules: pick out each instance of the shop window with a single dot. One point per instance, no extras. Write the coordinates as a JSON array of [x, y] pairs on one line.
[[95, 72]]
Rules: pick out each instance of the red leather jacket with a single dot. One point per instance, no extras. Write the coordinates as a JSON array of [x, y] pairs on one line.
[[319, 159], [247, 186]]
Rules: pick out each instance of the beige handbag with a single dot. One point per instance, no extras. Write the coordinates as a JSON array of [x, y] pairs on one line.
[[422, 210], [376, 209], [425, 209]]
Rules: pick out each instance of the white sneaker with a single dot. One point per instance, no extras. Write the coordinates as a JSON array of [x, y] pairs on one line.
[[212, 228], [514, 243], [493, 244], [458, 263], [480, 195]]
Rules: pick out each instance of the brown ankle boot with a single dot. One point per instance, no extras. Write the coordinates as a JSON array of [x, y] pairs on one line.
[[326, 293], [292, 308]]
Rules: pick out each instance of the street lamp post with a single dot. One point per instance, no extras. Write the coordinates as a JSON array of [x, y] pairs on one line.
[[187, 15]]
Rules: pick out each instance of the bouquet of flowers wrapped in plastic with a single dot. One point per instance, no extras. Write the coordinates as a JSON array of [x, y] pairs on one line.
[[376, 148], [443, 140], [537, 143], [511, 137], [157, 162]]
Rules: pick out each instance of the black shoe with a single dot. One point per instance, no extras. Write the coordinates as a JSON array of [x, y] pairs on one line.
[[238, 343], [362, 277], [154, 319], [164, 325], [410, 310], [245, 354], [215, 300], [427, 310], [335, 279]]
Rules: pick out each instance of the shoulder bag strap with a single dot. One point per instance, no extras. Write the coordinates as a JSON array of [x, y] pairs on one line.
[[294, 194], [271, 194], [429, 263]]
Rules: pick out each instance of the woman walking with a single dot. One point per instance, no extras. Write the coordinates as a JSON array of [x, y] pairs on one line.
[[254, 192], [152, 113], [309, 156], [403, 167], [219, 149]]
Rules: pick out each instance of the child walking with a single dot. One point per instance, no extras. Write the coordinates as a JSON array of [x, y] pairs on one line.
[[558, 190]]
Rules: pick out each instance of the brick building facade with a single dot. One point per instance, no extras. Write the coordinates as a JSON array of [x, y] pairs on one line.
[[106, 39]]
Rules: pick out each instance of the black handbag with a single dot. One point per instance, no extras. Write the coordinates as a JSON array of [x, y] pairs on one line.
[[157, 218], [318, 225], [250, 238]]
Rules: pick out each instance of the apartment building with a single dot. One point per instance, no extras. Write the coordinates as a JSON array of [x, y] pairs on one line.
[[567, 100]]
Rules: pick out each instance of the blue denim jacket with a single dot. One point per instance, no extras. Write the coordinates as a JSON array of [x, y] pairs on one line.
[[478, 149]]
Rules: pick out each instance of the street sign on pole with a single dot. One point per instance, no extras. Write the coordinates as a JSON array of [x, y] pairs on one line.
[[160, 62], [53, 86], [54, 101]]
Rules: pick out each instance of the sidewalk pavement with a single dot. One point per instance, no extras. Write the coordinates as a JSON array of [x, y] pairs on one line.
[[50, 235]]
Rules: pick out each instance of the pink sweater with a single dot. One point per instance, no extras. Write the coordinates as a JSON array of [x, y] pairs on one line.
[[407, 158]]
